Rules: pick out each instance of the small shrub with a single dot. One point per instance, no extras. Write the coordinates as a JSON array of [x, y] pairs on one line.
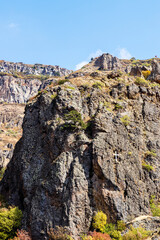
[[53, 96], [76, 120], [155, 207], [115, 235], [45, 91], [141, 82], [151, 153], [147, 167], [99, 236], [125, 120], [121, 226], [60, 82], [69, 87], [109, 227], [136, 234], [118, 106], [146, 74], [99, 221], [2, 173], [10, 221], [22, 235], [86, 237], [97, 85], [57, 74], [59, 233], [115, 231]]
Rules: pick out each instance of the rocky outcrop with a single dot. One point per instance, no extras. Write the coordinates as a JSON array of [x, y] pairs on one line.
[[64, 169], [149, 223], [36, 69], [11, 118], [155, 74], [6, 155], [108, 62], [136, 72], [16, 90]]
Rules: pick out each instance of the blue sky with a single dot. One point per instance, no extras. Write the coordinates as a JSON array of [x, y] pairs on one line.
[[70, 32]]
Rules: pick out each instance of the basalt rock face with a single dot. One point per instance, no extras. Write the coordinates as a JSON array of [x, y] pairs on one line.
[[36, 69], [62, 172]]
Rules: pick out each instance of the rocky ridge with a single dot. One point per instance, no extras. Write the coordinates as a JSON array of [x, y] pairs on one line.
[[89, 144], [36, 69]]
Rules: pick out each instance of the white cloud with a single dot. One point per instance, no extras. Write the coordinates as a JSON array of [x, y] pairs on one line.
[[92, 55], [13, 25], [124, 54], [96, 54], [80, 65]]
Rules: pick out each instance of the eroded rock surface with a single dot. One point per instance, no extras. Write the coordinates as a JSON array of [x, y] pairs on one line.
[[62, 172], [108, 62], [36, 69], [155, 74]]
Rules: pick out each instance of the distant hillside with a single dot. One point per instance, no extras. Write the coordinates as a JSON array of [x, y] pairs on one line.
[[36, 69]]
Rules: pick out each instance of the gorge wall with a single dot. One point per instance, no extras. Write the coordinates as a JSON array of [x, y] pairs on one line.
[[92, 143]]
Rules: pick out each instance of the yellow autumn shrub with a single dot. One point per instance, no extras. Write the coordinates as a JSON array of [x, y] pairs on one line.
[[99, 221]]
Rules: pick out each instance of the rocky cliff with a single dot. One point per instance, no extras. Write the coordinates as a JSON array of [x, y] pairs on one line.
[[36, 69], [11, 118], [92, 143], [19, 82]]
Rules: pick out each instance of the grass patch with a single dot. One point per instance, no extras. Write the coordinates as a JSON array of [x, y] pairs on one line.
[[53, 96], [2, 173], [118, 106], [155, 207], [136, 234], [151, 153], [147, 167], [61, 82], [97, 85], [125, 120], [142, 82]]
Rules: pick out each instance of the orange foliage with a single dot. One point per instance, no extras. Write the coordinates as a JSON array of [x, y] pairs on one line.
[[22, 235], [99, 236]]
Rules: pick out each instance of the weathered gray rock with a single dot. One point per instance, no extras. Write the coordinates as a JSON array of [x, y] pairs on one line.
[[136, 71], [16, 90], [5, 157], [36, 69], [108, 62], [155, 74], [60, 175], [149, 223]]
